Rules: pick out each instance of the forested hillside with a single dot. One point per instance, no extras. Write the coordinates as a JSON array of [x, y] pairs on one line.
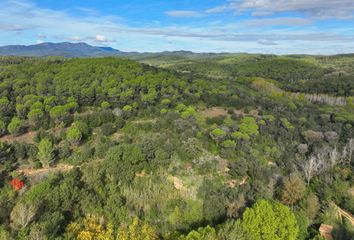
[[183, 147], [312, 74]]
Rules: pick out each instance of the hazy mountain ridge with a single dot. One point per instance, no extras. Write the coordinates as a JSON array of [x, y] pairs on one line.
[[64, 49]]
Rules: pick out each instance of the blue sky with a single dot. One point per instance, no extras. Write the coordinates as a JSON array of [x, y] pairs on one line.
[[255, 26]]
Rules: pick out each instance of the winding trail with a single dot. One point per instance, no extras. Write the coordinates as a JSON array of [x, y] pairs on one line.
[[30, 172]]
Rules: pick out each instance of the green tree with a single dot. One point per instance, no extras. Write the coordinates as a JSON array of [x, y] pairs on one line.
[[74, 135], [311, 206], [4, 234], [189, 112], [15, 127], [46, 152], [71, 106], [21, 110], [127, 108], [205, 233], [181, 107], [166, 102], [218, 134], [232, 230], [240, 136], [228, 143], [285, 122], [23, 214], [5, 106], [249, 126], [49, 102], [137, 231], [91, 230], [59, 114], [132, 154], [293, 189], [83, 127], [2, 128], [105, 105], [270, 221], [37, 105], [35, 116]]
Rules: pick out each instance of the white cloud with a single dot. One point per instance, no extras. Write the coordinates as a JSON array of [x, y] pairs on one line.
[[184, 14], [282, 21], [10, 27], [267, 42], [236, 36], [41, 36], [76, 38], [342, 9], [101, 39]]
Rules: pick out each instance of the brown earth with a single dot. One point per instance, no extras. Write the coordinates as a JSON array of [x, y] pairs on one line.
[[26, 137], [214, 112], [30, 172]]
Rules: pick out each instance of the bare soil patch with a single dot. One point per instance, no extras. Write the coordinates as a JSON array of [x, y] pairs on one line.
[[214, 112], [177, 183], [26, 137], [144, 121], [30, 172]]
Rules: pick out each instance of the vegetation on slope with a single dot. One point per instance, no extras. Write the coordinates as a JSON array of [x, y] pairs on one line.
[[112, 149]]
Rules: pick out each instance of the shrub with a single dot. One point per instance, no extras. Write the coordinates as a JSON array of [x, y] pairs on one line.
[[249, 126], [15, 127], [46, 152], [127, 108], [270, 221], [17, 184], [35, 116], [2, 128], [105, 105], [228, 144], [107, 129], [74, 135], [189, 112]]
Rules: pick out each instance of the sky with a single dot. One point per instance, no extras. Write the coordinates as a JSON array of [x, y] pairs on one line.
[[254, 26]]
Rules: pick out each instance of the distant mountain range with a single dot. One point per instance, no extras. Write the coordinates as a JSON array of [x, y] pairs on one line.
[[70, 50], [64, 49]]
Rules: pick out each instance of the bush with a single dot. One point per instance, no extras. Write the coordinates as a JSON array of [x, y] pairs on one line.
[[15, 127], [46, 152], [59, 114], [249, 126], [105, 105], [74, 135], [107, 129], [189, 112], [2, 128], [35, 116], [17, 184], [270, 221]]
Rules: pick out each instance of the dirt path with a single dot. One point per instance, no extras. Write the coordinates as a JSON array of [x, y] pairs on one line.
[[214, 112], [220, 111], [30, 172], [26, 137], [144, 121]]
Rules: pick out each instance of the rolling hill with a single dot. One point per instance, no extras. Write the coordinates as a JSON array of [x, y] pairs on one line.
[[64, 49]]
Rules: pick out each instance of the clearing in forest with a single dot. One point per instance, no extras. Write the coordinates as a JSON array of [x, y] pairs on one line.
[[214, 112], [30, 172], [26, 137]]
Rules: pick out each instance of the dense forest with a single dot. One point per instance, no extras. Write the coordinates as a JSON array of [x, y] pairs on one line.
[[177, 147]]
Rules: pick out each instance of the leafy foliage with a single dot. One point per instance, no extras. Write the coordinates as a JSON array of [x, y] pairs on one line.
[[46, 152], [131, 151], [270, 221]]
